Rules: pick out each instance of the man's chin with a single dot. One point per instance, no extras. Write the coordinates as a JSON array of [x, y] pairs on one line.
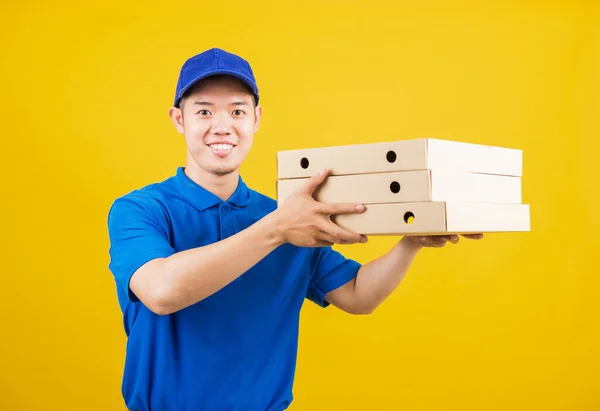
[[223, 171], [216, 168]]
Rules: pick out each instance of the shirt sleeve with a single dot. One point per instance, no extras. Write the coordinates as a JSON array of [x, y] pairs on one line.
[[330, 270], [138, 232]]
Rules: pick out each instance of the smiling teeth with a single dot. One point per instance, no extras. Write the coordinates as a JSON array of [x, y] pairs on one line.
[[221, 146]]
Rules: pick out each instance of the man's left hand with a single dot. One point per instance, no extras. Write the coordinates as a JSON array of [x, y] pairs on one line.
[[440, 240]]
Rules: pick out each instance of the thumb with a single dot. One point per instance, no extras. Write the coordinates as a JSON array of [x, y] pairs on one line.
[[311, 185]]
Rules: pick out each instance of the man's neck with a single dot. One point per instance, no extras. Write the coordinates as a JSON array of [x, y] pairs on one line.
[[221, 186]]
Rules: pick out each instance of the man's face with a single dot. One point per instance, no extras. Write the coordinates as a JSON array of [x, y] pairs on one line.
[[218, 119]]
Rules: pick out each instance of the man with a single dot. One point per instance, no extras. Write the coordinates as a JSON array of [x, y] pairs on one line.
[[211, 275]]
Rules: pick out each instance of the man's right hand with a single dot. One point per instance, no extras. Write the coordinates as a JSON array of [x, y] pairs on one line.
[[305, 222]]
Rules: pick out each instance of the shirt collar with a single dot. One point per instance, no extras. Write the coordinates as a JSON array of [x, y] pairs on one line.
[[202, 199]]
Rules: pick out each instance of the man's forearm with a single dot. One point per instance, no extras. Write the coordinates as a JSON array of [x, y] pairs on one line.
[[170, 284], [378, 278]]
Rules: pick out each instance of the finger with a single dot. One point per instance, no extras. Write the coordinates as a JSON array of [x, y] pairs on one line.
[[341, 235], [322, 239], [326, 237], [321, 243], [477, 236], [341, 208], [311, 185], [452, 238], [437, 241]]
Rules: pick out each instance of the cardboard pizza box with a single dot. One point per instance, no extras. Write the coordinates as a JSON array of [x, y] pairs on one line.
[[410, 186], [437, 218], [404, 155]]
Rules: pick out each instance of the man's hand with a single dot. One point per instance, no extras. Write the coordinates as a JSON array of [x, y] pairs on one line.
[[305, 222], [439, 240]]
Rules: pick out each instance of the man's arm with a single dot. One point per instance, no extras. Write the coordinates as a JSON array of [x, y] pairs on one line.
[[169, 284], [377, 279], [166, 285]]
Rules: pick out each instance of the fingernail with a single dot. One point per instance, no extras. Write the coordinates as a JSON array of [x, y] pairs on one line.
[[359, 207], [363, 239], [323, 171]]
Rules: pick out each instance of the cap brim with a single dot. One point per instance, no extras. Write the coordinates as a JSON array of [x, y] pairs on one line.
[[212, 73]]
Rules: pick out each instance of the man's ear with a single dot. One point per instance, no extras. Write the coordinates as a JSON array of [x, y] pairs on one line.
[[177, 118], [258, 115]]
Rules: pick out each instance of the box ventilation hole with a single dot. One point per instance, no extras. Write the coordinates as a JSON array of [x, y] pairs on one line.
[[395, 187], [409, 217], [304, 163], [391, 156]]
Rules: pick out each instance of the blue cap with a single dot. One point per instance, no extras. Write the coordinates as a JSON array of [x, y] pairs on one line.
[[214, 62]]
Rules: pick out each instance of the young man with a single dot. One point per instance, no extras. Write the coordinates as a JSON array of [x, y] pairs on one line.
[[211, 275]]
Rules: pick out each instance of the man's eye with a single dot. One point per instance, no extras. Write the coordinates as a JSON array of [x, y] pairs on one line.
[[237, 112], [204, 112]]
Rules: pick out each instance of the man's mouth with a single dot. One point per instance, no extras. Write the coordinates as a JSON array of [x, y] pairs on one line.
[[221, 149]]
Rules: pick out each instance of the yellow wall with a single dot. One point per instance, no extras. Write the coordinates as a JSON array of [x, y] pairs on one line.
[[509, 323]]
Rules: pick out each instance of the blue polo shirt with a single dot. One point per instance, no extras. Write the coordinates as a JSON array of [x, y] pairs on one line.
[[235, 350]]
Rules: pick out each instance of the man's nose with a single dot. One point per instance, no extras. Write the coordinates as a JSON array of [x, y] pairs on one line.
[[221, 124]]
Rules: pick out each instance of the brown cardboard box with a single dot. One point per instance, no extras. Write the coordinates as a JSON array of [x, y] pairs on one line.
[[404, 155], [435, 218], [410, 186], [414, 187]]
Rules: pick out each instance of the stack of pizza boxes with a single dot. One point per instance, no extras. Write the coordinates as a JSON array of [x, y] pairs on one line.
[[420, 186]]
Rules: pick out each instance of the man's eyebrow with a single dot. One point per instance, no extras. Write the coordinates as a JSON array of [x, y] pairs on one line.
[[239, 103]]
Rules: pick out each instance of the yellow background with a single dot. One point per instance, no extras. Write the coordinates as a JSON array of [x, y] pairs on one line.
[[508, 323]]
